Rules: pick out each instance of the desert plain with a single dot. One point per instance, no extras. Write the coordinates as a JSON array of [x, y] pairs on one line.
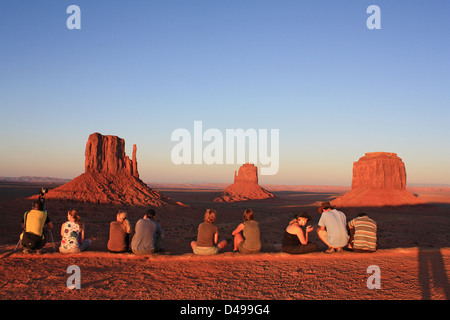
[[413, 253]]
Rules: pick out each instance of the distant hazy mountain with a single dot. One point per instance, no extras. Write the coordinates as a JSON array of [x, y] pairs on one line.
[[30, 179]]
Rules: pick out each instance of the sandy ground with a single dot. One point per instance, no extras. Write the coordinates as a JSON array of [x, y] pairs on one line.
[[413, 259], [404, 274]]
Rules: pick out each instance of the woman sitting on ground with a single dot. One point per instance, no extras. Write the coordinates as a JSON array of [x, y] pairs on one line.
[[295, 241], [247, 234], [208, 236], [72, 233]]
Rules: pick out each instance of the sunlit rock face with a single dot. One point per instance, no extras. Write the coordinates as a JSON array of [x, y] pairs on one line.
[[245, 186], [379, 179], [110, 177]]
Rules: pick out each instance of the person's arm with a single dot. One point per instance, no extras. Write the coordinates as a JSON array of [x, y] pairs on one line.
[[62, 230], [351, 231], [82, 235], [216, 237], [239, 228], [303, 237]]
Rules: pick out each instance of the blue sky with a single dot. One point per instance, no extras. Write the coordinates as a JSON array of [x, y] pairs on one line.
[[312, 69]]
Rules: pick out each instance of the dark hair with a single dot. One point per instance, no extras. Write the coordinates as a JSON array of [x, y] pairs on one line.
[[248, 215], [300, 215], [38, 205], [362, 214], [151, 213], [303, 215]]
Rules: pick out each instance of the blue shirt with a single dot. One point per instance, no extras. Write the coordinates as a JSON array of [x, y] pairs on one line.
[[336, 224], [145, 236]]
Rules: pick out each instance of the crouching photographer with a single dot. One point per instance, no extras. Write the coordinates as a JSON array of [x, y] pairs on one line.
[[33, 235]]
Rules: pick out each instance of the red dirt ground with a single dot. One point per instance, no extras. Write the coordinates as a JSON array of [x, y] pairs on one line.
[[414, 254]]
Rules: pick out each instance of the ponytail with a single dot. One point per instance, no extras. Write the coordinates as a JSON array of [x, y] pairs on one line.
[[74, 214]]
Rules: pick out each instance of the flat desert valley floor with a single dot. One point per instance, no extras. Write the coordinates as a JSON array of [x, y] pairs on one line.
[[413, 256]]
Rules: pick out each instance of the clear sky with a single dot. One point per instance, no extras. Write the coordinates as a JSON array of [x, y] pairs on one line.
[[311, 69]]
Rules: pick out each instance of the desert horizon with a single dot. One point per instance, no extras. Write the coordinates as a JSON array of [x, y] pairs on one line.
[[302, 144], [405, 250], [412, 256], [412, 243]]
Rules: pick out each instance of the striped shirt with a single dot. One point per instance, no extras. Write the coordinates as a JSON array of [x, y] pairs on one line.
[[365, 237]]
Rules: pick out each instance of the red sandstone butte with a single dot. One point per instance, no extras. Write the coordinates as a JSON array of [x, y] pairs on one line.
[[245, 186], [107, 154], [110, 177], [379, 179]]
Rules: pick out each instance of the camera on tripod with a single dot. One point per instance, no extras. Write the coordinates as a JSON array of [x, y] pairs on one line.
[[41, 198], [43, 192]]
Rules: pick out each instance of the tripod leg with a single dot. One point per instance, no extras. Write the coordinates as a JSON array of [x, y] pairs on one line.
[[17, 245], [51, 235]]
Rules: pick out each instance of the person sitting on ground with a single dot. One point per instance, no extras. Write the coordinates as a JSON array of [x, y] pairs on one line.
[[148, 235], [363, 234], [295, 240], [33, 223], [72, 234], [208, 236], [247, 234], [119, 234], [332, 228]]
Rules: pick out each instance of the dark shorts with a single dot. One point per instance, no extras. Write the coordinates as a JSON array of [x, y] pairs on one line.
[[300, 249]]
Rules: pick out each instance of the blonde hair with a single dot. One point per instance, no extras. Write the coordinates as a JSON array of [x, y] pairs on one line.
[[122, 218], [210, 215], [121, 215]]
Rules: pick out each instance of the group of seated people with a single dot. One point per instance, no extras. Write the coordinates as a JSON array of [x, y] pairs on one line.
[[359, 235]]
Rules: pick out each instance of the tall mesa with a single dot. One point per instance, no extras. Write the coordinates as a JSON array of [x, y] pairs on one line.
[[110, 177], [379, 179]]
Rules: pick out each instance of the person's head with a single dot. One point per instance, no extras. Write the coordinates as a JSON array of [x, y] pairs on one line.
[[362, 214], [210, 215], [37, 205], [150, 214], [72, 215], [301, 218], [325, 206], [248, 215], [121, 215], [43, 192]]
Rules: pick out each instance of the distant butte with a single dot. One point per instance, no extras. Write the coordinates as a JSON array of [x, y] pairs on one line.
[[107, 154], [110, 177], [379, 179], [245, 186]]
